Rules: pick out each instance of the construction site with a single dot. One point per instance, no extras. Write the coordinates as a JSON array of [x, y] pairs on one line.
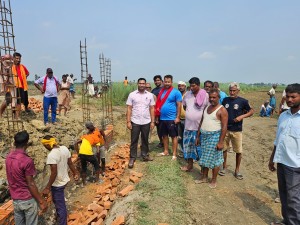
[[95, 204]]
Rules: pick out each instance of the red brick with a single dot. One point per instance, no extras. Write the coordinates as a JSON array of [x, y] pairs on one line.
[[134, 179], [99, 222], [73, 216], [103, 214], [139, 175], [120, 220], [95, 207], [90, 219], [126, 190], [107, 205], [112, 197]]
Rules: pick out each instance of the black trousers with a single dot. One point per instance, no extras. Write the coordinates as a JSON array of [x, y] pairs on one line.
[[289, 192], [135, 133]]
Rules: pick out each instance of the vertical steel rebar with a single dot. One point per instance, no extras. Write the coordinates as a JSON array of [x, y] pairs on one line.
[[7, 48], [84, 75]]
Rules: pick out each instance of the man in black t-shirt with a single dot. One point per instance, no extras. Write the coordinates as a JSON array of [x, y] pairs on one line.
[[238, 108], [159, 85]]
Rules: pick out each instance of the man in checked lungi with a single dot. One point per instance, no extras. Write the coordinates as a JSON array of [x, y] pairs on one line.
[[212, 129], [194, 102]]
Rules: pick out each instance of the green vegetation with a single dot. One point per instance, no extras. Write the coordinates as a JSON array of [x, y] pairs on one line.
[[163, 193]]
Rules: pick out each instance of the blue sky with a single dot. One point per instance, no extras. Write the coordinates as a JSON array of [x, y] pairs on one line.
[[244, 41]]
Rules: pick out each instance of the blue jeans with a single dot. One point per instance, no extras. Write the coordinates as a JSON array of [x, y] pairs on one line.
[[58, 196], [26, 212], [47, 102]]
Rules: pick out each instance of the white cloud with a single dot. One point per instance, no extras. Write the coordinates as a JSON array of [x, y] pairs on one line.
[[291, 57], [207, 55], [229, 48]]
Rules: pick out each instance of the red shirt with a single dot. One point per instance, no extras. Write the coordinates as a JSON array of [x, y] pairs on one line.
[[18, 166]]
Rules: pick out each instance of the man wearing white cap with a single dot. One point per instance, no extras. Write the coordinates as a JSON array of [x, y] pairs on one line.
[[182, 89]]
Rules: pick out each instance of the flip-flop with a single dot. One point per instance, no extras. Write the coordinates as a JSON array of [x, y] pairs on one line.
[[212, 186], [201, 181], [222, 173], [162, 154], [277, 223], [239, 176], [174, 158], [185, 169]]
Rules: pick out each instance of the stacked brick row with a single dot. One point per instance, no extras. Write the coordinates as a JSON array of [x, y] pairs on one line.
[[107, 192], [6, 213]]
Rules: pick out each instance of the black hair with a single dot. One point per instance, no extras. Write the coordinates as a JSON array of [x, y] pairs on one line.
[[48, 137], [141, 79], [157, 77], [209, 81], [168, 76], [17, 54], [216, 84], [215, 90], [21, 139], [293, 88], [65, 75], [194, 80]]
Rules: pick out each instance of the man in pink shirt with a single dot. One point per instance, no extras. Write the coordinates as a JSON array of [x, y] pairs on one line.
[[20, 171], [140, 119]]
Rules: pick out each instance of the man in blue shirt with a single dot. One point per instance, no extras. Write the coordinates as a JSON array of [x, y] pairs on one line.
[[286, 154], [169, 106]]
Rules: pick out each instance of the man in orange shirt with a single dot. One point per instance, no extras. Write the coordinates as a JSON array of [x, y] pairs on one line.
[[20, 73]]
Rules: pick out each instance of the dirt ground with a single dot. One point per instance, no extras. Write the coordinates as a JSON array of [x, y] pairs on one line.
[[249, 201]]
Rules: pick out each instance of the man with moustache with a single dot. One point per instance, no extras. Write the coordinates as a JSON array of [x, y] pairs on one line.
[[286, 154], [159, 85], [140, 119], [208, 85], [194, 102], [212, 129], [167, 109]]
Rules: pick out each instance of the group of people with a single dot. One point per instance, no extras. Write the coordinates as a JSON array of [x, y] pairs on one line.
[[20, 171], [209, 123], [13, 82], [203, 121]]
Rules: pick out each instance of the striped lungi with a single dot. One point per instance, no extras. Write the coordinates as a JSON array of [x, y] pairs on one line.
[[211, 157], [190, 150]]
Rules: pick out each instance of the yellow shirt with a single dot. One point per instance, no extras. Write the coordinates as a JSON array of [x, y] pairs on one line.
[[125, 82], [86, 148]]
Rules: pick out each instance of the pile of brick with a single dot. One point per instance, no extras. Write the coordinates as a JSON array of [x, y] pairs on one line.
[[6, 213], [34, 104], [107, 192]]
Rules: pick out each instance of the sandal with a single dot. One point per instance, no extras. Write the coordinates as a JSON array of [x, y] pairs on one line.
[[212, 186], [238, 176], [277, 223], [174, 157], [162, 154], [185, 169], [222, 172], [201, 181]]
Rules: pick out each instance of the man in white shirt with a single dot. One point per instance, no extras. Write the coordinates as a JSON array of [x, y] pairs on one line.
[[286, 154], [59, 159], [140, 119]]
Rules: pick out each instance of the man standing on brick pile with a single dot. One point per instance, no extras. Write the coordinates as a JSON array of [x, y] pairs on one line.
[[286, 154], [194, 103], [140, 119], [20, 171], [20, 73], [86, 154], [49, 85], [159, 85], [182, 89], [238, 109], [59, 159], [167, 110]]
